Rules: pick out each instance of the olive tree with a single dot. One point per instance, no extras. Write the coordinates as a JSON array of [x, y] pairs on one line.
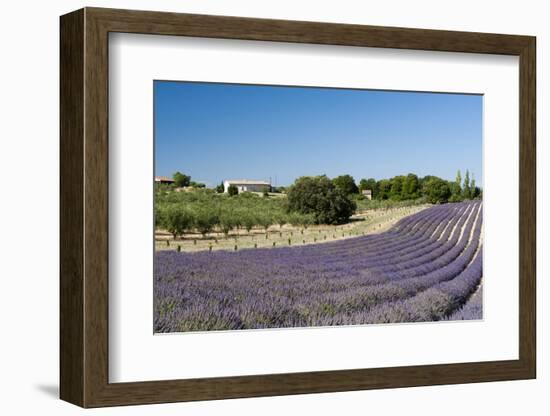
[[205, 220], [227, 221], [176, 220]]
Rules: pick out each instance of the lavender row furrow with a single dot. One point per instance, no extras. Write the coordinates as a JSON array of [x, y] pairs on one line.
[[433, 304]]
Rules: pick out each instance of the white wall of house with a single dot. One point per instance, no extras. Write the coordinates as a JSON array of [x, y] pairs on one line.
[[247, 186]]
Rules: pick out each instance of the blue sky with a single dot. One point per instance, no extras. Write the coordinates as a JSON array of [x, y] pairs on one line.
[[215, 131]]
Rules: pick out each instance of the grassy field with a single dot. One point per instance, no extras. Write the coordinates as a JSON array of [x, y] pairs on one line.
[[366, 222]]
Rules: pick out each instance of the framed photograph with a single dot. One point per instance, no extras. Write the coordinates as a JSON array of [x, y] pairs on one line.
[[255, 207]]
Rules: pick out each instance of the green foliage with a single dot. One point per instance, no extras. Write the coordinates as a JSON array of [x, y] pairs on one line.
[[232, 190], [300, 220], [181, 180], [197, 184], [206, 219], [466, 190], [456, 189], [396, 188], [265, 220], [280, 218], [411, 187], [477, 193], [306, 220], [310, 200], [295, 218], [175, 219], [249, 220], [346, 184], [227, 221], [384, 187], [455, 197], [220, 188], [437, 190], [319, 197], [458, 181]]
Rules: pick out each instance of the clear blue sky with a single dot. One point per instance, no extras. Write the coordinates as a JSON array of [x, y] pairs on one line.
[[231, 131]]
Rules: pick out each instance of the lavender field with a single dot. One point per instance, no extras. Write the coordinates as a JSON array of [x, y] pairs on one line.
[[428, 267]]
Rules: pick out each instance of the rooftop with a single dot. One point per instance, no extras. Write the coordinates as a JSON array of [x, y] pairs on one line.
[[163, 179]]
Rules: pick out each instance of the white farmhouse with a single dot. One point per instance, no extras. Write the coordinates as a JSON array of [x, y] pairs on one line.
[[247, 185], [367, 193]]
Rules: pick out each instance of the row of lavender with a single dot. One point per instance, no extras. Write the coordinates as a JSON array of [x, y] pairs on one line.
[[425, 268]]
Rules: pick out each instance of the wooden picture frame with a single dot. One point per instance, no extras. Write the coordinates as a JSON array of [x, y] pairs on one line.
[[84, 207]]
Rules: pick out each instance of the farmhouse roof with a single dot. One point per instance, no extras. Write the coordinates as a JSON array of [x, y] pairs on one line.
[[246, 182], [163, 179]]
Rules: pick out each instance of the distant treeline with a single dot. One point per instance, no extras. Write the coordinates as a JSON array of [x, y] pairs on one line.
[[405, 187], [310, 200]]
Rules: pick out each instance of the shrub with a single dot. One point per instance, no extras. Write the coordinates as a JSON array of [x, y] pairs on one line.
[[232, 190], [181, 180]]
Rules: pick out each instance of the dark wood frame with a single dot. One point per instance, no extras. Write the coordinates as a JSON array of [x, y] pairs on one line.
[[84, 207]]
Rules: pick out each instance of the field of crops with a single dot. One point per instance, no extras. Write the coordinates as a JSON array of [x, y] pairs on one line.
[[428, 267]]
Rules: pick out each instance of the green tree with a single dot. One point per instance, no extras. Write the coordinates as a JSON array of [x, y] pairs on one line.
[[475, 191], [466, 191], [205, 220], [197, 184], [396, 188], [176, 220], [318, 196], [281, 218], [227, 221], [424, 182], [220, 188], [181, 180], [411, 187], [306, 220], [232, 190], [249, 221], [159, 215], [265, 220], [437, 190], [383, 186], [456, 188], [295, 219], [346, 184]]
